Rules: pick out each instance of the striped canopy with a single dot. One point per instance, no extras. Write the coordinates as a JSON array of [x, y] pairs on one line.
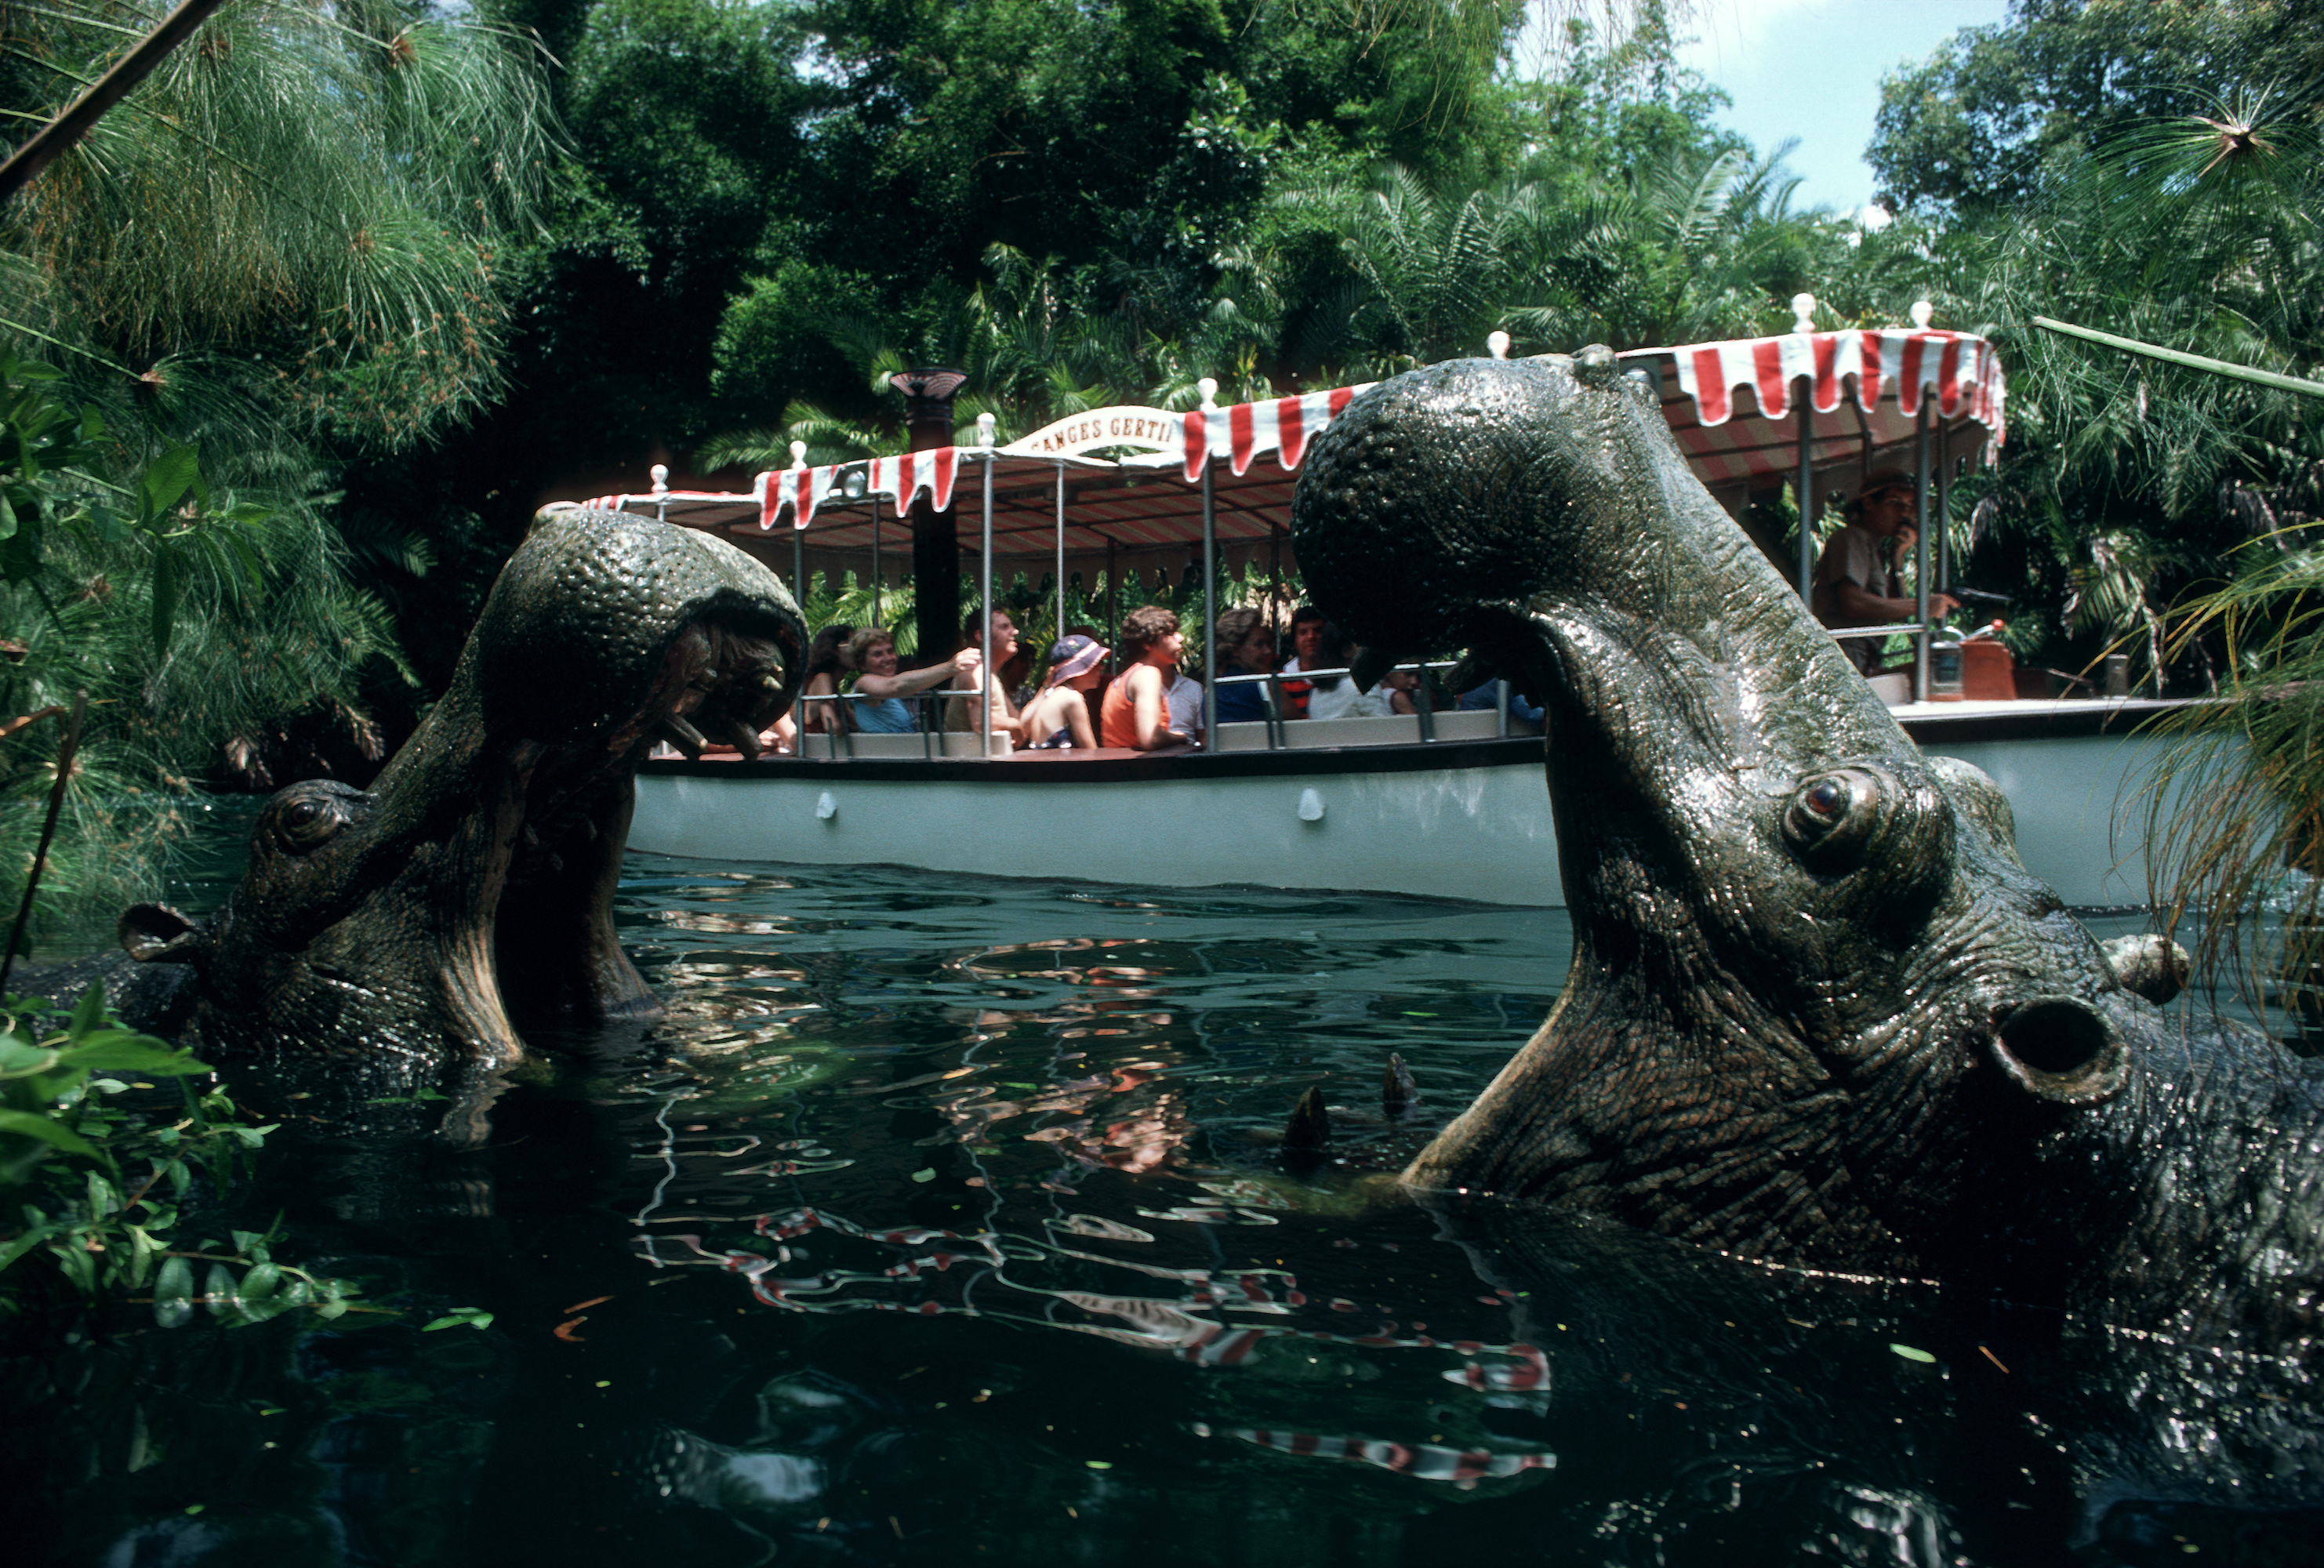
[[1729, 404]]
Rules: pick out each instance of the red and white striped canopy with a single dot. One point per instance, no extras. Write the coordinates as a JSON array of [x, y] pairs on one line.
[[1731, 406]]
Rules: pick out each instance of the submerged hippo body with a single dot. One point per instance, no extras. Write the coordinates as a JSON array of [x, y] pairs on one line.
[[1819, 1014], [415, 924]]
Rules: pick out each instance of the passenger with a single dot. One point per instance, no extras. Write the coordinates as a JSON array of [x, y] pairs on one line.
[[1059, 713], [828, 665], [1136, 713], [1487, 696], [999, 648], [1307, 644], [1246, 647], [1854, 584], [1183, 694], [1336, 697], [873, 651]]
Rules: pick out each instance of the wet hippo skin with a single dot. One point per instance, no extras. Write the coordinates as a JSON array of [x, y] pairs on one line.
[[1818, 1014], [469, 892]]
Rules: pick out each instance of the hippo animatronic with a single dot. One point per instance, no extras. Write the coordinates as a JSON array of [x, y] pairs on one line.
[[1819, 1013], [393, 932]]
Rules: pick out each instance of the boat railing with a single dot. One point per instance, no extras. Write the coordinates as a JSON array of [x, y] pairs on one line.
[[1278, 730]]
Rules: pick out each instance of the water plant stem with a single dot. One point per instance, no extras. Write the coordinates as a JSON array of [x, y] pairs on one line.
[[2314, 389], [64, 754]]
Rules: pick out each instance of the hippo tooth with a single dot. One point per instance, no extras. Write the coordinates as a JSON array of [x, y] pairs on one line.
[[684, 735]]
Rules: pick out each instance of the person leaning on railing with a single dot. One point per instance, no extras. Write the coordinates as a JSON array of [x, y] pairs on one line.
[[872, 652], [1854, 584]]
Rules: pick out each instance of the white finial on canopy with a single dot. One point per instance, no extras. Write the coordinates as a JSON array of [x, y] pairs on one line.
[[1208, 387], [1497, 345], [661, 472], [1804, 312], [1922, 312], [984, 425], [798, 454]]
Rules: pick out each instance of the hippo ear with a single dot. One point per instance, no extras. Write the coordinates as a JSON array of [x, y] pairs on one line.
[[2149, 965], [158, 934]]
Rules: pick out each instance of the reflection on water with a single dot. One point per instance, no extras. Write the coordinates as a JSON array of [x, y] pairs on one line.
[[945, 1219]]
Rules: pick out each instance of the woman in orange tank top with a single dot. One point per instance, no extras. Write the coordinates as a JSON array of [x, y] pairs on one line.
[[1136, 712]]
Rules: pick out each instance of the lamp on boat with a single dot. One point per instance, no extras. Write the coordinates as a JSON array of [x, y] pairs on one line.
[[928, 398]]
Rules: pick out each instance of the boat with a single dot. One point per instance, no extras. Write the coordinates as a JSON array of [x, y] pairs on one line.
[[1437, 803]]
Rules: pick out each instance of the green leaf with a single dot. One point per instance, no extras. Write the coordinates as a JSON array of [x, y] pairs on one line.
[[173, 1293], [29, 1124], [34, 1236], [165, 595], [166, 479], [473, 1316], [7, 517], [120, 1050], [88, 1014], [1911, 1354], [330, 1308], [262, 1280], [218, 1293], [19, 1058]]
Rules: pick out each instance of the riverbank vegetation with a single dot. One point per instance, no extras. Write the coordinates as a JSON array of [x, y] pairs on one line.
[[392, 276]]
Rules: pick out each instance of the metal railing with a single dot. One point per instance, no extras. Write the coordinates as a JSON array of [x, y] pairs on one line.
[[837, 742]]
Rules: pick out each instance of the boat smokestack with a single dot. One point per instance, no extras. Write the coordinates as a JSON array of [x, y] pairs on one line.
[[935, 543]]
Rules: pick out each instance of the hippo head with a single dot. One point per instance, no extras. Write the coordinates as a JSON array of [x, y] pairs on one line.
[[1818, 1013], [403, 926]]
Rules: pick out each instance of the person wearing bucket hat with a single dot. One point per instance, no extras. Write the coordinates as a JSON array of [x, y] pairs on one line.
[[1854, 583], [1059, 712]]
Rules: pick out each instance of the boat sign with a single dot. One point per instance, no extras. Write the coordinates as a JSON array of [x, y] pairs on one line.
[[1149, 430]]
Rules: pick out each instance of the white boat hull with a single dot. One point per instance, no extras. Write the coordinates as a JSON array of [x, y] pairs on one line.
[[1472, 823]]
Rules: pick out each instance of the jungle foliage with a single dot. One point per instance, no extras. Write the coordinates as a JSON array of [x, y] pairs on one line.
[[283, 250], [388, 275]]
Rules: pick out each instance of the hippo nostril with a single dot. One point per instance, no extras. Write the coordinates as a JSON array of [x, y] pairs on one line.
[[2061, 1049]]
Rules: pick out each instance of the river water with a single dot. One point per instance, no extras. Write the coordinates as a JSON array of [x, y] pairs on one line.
[[946, 1220]]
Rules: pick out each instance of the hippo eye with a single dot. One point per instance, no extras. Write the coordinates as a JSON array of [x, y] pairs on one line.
[[307, 822], [1829, 820]]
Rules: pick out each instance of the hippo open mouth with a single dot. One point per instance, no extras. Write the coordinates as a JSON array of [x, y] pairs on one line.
[[1819, 1012], [470, 890]]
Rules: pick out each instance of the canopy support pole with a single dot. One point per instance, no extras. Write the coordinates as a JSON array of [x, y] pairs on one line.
[[798, 568], [1274, 577], [1805, 486], [1945, 512], [1060, 630], [1112, 607], [985, 601], [876, 581], [1921, 550], [1210, 608]]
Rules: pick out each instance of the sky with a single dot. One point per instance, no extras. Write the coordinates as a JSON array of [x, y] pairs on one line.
[[1810, 69]]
